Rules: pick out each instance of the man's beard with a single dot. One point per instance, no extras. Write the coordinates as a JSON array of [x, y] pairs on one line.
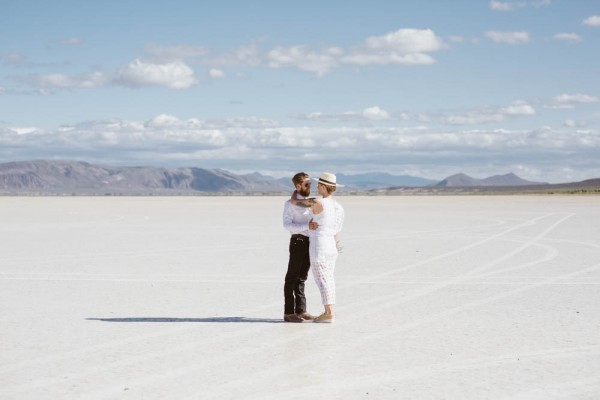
[[304, 192]]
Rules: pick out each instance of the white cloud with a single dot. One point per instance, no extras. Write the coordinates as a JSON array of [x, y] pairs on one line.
[[375, 113], [178, 52], [216, 73], [175, 75], [485, 115], [62, 81], [473, 118], [518, 108], [577, 98], [168, 65], [304, 58], [514, 5], [406, 41], [569, 37], [570, 123], [508, 37], [404, 46], [257, 144], [568, 101], [164, 120], [245, 55], [594, 20], [389, 58], [541, 3], [506, 6], [25, 130]]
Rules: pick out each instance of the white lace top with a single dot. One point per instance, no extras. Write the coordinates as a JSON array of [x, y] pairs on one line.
[[330, 221]]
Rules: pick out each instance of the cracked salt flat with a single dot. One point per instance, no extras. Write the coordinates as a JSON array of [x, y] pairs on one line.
[[438, 297]]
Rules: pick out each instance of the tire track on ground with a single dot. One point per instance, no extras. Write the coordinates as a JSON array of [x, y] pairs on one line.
[[266, 372], [136, 359], [380, 337], [128, 341]]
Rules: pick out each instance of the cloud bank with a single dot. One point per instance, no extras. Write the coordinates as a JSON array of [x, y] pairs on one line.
[[255, 144], [173, 66]]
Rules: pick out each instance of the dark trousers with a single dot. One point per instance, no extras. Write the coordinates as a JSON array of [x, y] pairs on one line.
[[297, 272]]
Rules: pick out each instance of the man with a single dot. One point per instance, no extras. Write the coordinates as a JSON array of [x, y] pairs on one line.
[[297, 221]]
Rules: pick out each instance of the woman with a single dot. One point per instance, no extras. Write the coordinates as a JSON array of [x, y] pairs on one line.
[[328, 216]]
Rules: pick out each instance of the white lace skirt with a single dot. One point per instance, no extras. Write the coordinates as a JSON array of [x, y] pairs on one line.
[[323, 266]]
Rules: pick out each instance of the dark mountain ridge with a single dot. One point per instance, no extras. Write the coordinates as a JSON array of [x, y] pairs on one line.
[[81, 177], [61, 176], [462, 180], [76, 177]]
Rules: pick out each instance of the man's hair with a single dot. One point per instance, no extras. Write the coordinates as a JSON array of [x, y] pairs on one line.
[[299, 178]]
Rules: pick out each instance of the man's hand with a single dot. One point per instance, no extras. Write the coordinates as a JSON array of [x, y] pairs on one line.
[[312, 225]]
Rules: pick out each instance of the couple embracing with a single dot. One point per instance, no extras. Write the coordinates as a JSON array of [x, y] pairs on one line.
[[314, 224]]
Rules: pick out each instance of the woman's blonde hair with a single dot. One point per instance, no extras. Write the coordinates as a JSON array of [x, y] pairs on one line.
[[330, 189]]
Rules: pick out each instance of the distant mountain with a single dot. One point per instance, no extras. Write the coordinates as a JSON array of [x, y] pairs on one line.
[[74, 177], [81, 177], [459, 180], [509, 180], [462, 180]]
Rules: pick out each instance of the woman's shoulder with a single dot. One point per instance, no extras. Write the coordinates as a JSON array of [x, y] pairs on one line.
[[331, 200]]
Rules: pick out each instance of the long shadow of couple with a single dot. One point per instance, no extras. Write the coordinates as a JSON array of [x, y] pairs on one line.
[[189, 320]]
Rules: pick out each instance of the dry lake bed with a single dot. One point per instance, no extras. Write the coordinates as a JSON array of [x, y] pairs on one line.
[[472, 297]]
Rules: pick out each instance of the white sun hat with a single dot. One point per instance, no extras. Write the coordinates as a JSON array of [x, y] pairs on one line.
[[329, 179]]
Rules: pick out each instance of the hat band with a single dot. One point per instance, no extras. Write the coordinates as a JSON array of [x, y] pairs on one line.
[[327, 182]]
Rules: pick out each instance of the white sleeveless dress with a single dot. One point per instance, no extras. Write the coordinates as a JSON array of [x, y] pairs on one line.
[[323, 251]]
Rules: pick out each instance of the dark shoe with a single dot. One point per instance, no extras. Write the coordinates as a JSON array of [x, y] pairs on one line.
[[292, 318], [306, 316]]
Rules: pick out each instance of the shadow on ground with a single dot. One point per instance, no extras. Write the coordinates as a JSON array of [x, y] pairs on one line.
[[171, 320]]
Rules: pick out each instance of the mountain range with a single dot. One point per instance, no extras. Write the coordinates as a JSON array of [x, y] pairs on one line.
[[76, 177], [462, 180], [80, 177]]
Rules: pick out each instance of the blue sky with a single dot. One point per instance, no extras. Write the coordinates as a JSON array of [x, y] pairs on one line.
[[425, 88]]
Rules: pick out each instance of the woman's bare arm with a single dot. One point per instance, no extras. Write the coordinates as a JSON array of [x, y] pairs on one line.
[[302, 202]]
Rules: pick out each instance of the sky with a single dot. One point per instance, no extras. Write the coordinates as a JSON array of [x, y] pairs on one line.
[[421, 88]]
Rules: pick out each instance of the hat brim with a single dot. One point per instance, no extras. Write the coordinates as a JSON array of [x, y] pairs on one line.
[[328, 183]]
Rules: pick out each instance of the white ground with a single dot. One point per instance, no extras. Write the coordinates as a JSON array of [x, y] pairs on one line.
[[182, 298]]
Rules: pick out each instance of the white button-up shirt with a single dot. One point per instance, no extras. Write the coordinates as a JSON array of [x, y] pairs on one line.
[[296, 218]]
